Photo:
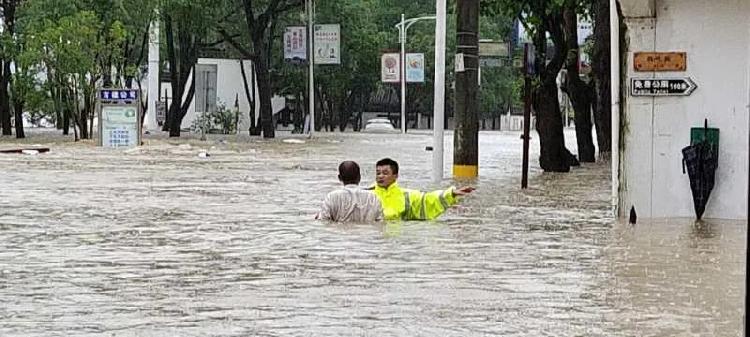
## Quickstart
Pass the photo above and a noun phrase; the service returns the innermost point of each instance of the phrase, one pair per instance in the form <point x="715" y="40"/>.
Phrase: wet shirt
<point x="351" y="204"/>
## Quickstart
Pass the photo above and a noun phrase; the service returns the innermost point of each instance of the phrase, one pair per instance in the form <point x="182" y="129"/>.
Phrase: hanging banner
<point x="295" y="44"/>
<point x="327" y="44"/>
<point x="415" y="68"/>
<point x="390" y="70"/>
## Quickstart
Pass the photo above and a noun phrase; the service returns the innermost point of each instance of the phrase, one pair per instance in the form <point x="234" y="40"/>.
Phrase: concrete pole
<point x="403" y="73"/>
<point x="153" y="75"/>
<point x="439" y="108"/>
<point x="614" y="42"/>
<point x="311" y="62"/>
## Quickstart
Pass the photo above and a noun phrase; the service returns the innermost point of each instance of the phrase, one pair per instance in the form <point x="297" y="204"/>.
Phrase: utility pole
<point x="466" y="134"/>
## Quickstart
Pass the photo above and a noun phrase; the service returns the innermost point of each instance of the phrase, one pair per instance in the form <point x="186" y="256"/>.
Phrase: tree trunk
<point x="83" y="126"/>
<point x="66" y="120"/>
<point x="578" y="90"/>
<point x="81" y="114"/>
<point x="554" y="157"/>
<point x="581" y="99"/>
<point x="180" y="107"/>
<point x="58" y="119"/>
<point x="182" y="56"/>
<point x="5" y="98"/>
<point x="18" y="108"/>
<point x="250" y="97"/>
<point x="601" y="70"/>
<point x="320" y="118"/>
<point x="9" y="21"/>
<point x="264" y="91"/>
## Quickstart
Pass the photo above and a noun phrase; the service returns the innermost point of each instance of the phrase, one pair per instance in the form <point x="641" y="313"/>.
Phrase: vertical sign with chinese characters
<point x="327" y="44"/>
<point x="119" y="118"/>
<point x="295" y="44"/>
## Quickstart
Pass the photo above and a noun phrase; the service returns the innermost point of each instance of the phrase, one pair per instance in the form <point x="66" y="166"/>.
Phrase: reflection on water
<point x="158" y="242"/>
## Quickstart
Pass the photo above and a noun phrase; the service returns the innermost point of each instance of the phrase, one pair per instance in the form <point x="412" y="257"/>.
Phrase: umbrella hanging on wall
<point x="701" y="159"/>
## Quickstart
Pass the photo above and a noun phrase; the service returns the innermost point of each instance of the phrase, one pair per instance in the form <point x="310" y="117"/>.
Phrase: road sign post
<point x="119" y="113"/>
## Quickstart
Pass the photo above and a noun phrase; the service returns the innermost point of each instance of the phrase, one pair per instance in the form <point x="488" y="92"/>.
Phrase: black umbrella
<point x="701" y="160"/>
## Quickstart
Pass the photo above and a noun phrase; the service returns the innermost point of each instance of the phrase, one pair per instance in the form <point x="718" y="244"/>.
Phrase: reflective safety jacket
<point x="405" y="204"/>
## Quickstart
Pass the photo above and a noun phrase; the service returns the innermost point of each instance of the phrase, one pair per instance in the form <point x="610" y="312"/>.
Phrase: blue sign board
<point x="118" y="94"/>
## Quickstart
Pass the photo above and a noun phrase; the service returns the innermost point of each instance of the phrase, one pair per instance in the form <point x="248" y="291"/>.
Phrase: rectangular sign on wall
<point x="660" y="61"/>
<point x="662" y="86"/>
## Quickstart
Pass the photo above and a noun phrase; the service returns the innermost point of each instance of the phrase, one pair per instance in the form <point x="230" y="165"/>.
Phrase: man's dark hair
<point x="390" y="162"/>
<point x="349" y="172"/>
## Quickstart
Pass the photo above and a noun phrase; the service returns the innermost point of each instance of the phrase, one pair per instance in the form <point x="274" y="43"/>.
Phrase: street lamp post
<point x="403" y="27"/>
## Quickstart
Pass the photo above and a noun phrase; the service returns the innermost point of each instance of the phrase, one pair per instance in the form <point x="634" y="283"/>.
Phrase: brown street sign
<point x="660" y="61"/>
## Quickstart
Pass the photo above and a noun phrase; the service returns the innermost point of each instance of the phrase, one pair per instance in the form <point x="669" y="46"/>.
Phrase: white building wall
<point x="715" y="36"/>
<point x="229" y="84"/>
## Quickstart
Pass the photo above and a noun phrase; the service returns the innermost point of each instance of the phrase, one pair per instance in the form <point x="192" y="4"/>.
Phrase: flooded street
<point x="157" y="241"/>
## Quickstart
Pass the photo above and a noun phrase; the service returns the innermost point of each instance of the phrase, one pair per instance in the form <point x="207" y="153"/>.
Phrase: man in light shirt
<point x="351" y="203"/>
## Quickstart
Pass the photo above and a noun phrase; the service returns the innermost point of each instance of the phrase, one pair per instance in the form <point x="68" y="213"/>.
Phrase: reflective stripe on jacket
<point x="406" y="204"/>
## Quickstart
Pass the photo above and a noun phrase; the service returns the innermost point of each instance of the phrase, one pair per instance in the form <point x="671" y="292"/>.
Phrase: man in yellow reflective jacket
<point x="406" y="204"/>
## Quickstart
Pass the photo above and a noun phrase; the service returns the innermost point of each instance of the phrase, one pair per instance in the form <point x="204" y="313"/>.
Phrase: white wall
<point x="715" y="36"/>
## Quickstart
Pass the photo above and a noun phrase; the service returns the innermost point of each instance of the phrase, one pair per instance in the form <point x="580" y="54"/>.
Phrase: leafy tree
<point x="260" y="24"/>
<point x="543" y="18"/>
<point x="187" y="33"/>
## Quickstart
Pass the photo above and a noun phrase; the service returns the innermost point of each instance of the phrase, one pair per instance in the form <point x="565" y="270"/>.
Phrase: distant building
<point x="219" y="81"/>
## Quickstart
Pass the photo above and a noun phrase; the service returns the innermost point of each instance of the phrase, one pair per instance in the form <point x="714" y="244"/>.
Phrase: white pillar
<point x="439" y="108"/>
<point x="153" y="75"/>
<point x="614" y="42"/>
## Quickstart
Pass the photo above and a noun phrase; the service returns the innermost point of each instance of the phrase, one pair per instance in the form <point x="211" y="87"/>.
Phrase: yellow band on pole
<point x="465" y="171"/>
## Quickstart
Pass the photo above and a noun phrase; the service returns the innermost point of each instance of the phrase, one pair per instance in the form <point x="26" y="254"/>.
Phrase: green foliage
<point x="77" y="44"/>
<point x="223" y="120"/>
<point x="74" y="44"/>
